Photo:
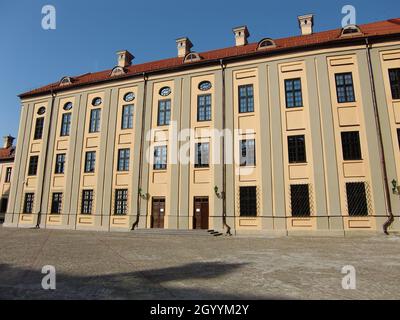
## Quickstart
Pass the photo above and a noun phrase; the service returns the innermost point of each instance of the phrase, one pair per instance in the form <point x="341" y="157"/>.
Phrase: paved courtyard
<point x="167" y="266"/>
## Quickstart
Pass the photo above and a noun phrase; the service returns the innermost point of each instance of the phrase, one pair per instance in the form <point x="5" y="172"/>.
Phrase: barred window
<point x="344" y="87"/>
<point x="28" y="202"/>
<point x="297" y="149"/>
<point x="127" y="117"/>
<point x="60" y="163"/>
<point x="164" y="112"/>
<point x="8" y="175"/>
<point x="394" y="76"/>
<point x="90" y="162"/>
<point x="33" y="165"/>
<point x="351" y="145"/>
<point x="65" y="125"/>
<point x="248" y="153"/>
<point x="204" y="107"/>
<point x="95" y="116"/>
<point x="39" y="129"/>
<point x="56" y="203"/>
<point x="87" y="201"/>
<point x="123" y="159"/>
<point x="248" y="201"/>
<point x="294" y="98"/>
<point x="300" y="200"/>
<point x="356" y="199"/>
<point x="202" y="155"/>
<point x="160" y="158"/>
<point x="246" y="98"/>
<point x="121" y="202"/>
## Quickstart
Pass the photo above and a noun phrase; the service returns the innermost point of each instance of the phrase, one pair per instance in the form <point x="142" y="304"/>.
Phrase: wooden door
<point x="201" y="213"/>
<point x="158" y="213"/>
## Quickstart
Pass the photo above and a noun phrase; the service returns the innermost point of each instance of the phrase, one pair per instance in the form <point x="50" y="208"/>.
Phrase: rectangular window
<point x="65" y="125"/>
<point x="394" y="76"/>
<point x="56" y="203"/>
<point x="248" y="153"/>
<point x="121" y="202"/>
<point x="204" y="107"/>
<point x="356" y="199"/>
<point x="127" y="117"/>
<point x="60" y="164"/>
<point x="28" y="203"/>
<point x="123" y="159"/>
<point x="164" y="112"/>
<point x="39" y="129"/>
<point x="95" y="116"/>
<point x="344" y="87"/>
<point x="248" y="201"/>
<point x="202" y="155"/>
<point x="300" y="200"/>
<point x="8" y="175"/>
<point x="398" y="136"/>
<point x="351" y="145"/>
<point x="294" y="98"/>
<point x="90" y="161"/>
<point x="246" y="98"/>
<point x="297" y="149"/>
<point x="33" y="165"/>
<point x="160" y="158"/>
<point x="87" y="201"/>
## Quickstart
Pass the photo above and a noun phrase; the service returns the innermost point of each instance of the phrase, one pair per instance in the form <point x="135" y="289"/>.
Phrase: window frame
<point x="121" y="202"/>
<point x="198" y="153"/>
<point x="29" y="201"/>
<point x="60" y="165"/>
<point x="246" y="98"/>
<point x="90" y="163"/>
<point x="296" y="197"/>
<point x="66" y="124"/>
<point x="39" y="127"/>
<point x="33" y="166"/>
<point x="292" y="93"/>
<point x="345" y="86"/>
<point x="8" y="175"/>
<point x="87" y="202"/>
<point x="353" y="203"/>
<point x="395" y="83"/>
<point x="248" y="209"/>
<point x="295" y="154"/>
<point x="127" y="118"/>
<point x="160" y="165"/>
<point x="351" y="150"/>
<point x="95" y="120"/>
<point x="56" y="202"/>
<point x="166" y="111"/>
<point x="245" y="153"/>
<point x="124" y="156"/>
<point x="205" y="109"/>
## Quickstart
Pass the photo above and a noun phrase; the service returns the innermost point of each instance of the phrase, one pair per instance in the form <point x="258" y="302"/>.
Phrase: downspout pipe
<point x="224" y="223"/>
<point x="390" y="219"/>
<point x="39" y="217"/>
<point x="139" y="199"/>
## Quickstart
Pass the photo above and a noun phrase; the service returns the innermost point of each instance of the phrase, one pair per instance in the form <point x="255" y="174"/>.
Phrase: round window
<point x="68" y="106"/>
<point x="96" y="101"/>
<point x="166" y="91"/>
<point x="130" y="96"/>
<point x="205" y="85"/>
<point x="41" y="111"/>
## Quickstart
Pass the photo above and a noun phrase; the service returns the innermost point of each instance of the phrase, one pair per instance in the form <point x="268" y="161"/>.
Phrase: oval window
<point x="205" y="85"/>
<point x="68" y="106"/>
<point x="41" y="111"/>
<point x="166" y="91"/>
<point x="130" y="96"/>
<point x="96" y="101"/>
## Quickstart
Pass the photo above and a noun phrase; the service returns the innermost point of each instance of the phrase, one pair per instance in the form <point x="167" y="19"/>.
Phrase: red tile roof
<point x="7" y="153"/>
<point x="381" y="28"/>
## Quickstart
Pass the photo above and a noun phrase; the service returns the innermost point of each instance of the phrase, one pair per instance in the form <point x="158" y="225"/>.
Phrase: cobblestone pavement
<point x="93" y="265"/>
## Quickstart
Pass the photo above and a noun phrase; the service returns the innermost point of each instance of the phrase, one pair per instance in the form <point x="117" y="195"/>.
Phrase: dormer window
<point x="117" y="71"/>
<point x="65" y="81"/>
<point x="266" y="44"/>
<point x="192" y="57"/>
<point x="351" y="30"/>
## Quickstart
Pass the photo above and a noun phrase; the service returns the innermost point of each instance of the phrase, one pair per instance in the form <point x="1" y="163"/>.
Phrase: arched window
<point x="266" y="43"/>
<point x="191" y="57"/>
<point x="65" y="81"/>
<point x="117" y="71"/>
<point x="350" y="30"/>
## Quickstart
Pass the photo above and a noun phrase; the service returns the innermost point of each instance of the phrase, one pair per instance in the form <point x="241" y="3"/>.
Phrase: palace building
<point x="314" y="120"/>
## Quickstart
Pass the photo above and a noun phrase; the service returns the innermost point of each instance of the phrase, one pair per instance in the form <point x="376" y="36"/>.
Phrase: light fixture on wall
<point x="144" y="196"/>
<point x="220" y="195"/>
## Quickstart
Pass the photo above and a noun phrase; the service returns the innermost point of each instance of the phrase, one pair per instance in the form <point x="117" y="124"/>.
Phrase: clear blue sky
<point x="90" y="32"/>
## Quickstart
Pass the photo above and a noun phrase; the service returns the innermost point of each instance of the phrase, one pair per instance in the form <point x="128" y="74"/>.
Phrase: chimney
<point x="241" y="35"/>
<point x="124" y="58"/>
<point x="8" y="141"/>
<point x="306" y="24"/>
<point x="184" y="45"/>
